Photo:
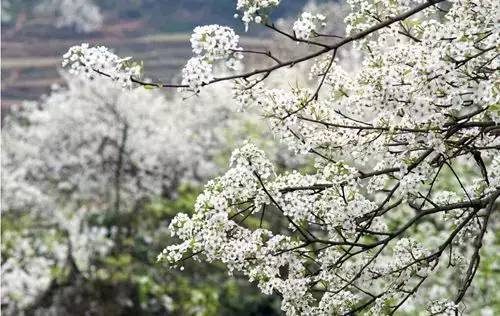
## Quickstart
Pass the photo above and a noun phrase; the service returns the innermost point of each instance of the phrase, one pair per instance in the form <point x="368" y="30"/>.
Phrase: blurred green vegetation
<point x="130" y="281"/>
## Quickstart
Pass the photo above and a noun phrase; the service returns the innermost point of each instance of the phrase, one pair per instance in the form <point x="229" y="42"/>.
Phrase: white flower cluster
<point x="307" y="24"/>
<point x="246" y="92"/>
<point x="95" y="61"/>
<point x="210" y="43"/>
<point x="387" y="140"/>
<point x="254" y="10"/>
<point x="213" y="230"/>
<point x="214" y="42"/>
<point x="442" y="307"/>
<point x="196" y="73"/>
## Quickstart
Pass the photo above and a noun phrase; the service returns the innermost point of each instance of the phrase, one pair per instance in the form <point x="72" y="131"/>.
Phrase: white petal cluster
<point x="254" y="10"/>
<point x="213" y="231"/>
<point x="307" y="24"/>
<point x="196" y="73"/>
<point x="442" y="307"/>
<point x="87" y="242"/>
<point x="382" y="209"/>
<point x="214" y="41"/>
<point x="246" y="92"/>
<point x="210" y="44"/>
<point x="94" y="61"/>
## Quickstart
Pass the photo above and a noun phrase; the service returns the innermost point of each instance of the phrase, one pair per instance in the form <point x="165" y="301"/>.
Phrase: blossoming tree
<point x="88" y="176"/>
<point x="81" y="15"/>
<point x="421" y="109"/>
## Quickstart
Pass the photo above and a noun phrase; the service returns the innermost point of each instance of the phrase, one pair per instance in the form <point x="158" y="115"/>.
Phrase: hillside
<point x="156" y="32"/>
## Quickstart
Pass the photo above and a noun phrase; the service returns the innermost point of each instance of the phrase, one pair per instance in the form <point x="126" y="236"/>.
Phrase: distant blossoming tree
<point x="83" y="15"/>
<point x="79" y="162"/>
<point x="407" y="172"/>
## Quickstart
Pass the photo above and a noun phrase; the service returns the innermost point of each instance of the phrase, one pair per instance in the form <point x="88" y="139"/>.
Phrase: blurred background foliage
<point x="162" y="16"/>
<point x="129" y="281"/>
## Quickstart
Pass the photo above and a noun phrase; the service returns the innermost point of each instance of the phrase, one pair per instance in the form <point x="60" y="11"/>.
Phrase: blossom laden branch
<point x="372" y="220"/>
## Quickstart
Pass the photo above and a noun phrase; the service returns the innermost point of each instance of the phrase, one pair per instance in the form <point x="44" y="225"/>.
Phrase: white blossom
<point x="94" y="61"/>
<point x="214" y="41"/>
<point x="307" y="25"/>
<point x="253" y="9"/>
<point x="196" y="73"/>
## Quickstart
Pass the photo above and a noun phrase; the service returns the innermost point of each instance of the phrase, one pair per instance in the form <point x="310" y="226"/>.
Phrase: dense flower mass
<point x="196" y="73"/>
<point x="214" y="41"/>
<point x="210" y="43"/>
<point x="94" y="61"/>
<point x="307" y="25"/>
<point x="254" y="10"/>
<point x="405" y="182"/>
<point x="384" y="138"/>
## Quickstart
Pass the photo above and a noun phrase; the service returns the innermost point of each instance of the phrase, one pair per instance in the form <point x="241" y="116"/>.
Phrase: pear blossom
<point x="307" y="25"/>
<point x="92" y="61"/>
<point x="404" y="179"/>
<point x="384" y="128"/>
<point x="253" y="9"/>
<point x="214" y="41"/>
<point x="196" y="73"/>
